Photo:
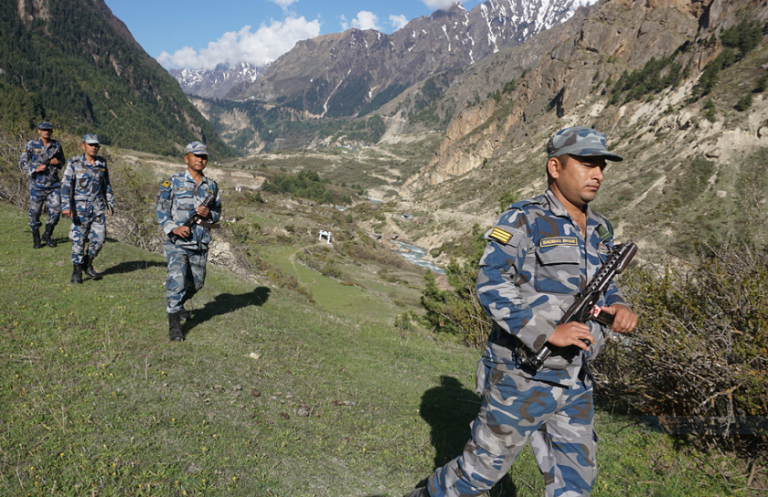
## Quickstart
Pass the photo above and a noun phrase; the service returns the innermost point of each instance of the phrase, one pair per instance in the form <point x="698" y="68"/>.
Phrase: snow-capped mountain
<point x="216" y="83"/>
<point x="346" y="73"/>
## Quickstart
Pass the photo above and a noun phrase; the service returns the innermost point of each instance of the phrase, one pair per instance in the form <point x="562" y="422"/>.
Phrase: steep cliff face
<point x="344" y="74"/>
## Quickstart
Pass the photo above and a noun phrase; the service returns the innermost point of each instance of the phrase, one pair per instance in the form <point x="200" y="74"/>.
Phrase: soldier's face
<point x="90" y="150"/>
<point x="196" y="162"/>
<point x="45" y="134"/>
<point x="577" y="178"/>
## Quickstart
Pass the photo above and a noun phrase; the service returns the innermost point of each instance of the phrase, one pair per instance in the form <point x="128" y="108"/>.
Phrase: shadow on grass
<point x="449" y="409"/>
<point x="225" y="303"/>
<point x="129" y="267"/>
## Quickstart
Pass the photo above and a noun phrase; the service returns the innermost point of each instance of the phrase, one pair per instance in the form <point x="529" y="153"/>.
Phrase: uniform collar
<point x="558" y="209"/>
<point x="40" y="141"/>
<point x="96" y="160"/>
<point x="188" y="177"/>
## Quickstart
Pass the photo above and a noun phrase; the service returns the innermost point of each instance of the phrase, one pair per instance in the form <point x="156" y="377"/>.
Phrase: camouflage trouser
<point x="558" y="422"/>
<point x="51" y="196"/>
<point x="186" y="275"/>
<point x="91" y="229"/>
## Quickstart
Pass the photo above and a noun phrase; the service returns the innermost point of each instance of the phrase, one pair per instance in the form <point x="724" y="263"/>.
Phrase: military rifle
<point x="45" y="159"/>
<point x="585" y="306"/>
<point x="195" y="218"/>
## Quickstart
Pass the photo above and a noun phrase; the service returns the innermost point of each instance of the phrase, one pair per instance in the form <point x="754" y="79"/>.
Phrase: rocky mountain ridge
<point x="689" y="171"/>
<point x="355" y="72"/>
<point x="216" y="83"/>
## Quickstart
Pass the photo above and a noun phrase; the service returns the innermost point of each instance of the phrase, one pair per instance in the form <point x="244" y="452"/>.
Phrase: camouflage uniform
<point x="179" y="197"/>
<point x="536" y="260"/>
<point x="87" y="192"/>
<point x="43" y="186"/>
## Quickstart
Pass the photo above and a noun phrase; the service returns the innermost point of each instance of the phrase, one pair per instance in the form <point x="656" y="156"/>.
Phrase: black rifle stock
<point x="582" y="308"/>
<point x="195" y="217"/>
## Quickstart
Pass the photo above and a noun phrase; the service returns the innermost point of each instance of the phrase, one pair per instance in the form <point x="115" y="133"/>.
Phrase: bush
<point x="701" y="345"/>
<point x="709" y="110"/>
<point x="510" y="86"/>
<point x="331" y="270"/>
<point x="458" y="311"/>
<point x="14" y="183"/>
<point x="762" y="84"/>
<point x="744" y="104"/>
<point x="507" y="199"/>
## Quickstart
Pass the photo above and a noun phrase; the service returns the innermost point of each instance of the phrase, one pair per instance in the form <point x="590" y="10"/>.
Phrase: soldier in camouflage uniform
<point x="41" y="160"/>
<point x="179" y="198"/>
<point x="541" y="252"/>
<point x="86" y="194"/>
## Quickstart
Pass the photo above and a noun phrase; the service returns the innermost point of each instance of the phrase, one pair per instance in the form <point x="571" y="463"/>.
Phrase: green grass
<point x="96" y="400"/>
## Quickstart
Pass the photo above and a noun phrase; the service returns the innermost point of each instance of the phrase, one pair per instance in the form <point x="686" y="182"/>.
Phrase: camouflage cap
<point x="581" y="141"/>
<point x="45" y="125"/>
<point x="91" y="139"/>
<point x="197" y="148"/>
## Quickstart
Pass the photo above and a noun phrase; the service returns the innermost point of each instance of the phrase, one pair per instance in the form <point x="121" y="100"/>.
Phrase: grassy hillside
<point x="269" y="395"/>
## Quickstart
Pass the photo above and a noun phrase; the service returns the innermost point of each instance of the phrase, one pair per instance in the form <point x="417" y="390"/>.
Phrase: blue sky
<point x="200" y="33"/>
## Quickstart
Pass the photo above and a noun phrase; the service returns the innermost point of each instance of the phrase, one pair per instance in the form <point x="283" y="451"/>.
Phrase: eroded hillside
<point x="644" y="72"/>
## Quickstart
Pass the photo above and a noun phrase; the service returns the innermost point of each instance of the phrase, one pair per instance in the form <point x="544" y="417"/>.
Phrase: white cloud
<point x="265" y="45"/>
<point x="398" y="22"/>
<point x="344" y="23"/>
<point x="284" y="3"/>
<point x="366" y="20"/>
<point x="441" y="4"/>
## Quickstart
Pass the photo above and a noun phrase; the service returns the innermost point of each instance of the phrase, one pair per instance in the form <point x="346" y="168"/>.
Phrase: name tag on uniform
<point x="553" y="241"/>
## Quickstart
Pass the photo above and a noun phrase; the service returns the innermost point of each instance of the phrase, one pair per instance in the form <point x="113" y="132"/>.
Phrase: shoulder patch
<point x="500" y="235"/>
<point x="166" y="184"/>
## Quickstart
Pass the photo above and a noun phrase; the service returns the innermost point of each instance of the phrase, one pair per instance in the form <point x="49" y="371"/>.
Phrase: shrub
<point x="762" y="84"/>
<point x="700" y="347"/>
<point x="458" y="311"/>
<point x="331" y="270"/>
<point x="507" y="199"/>
<point x="709" y="110"/>
<point x="14" y="183"/>
<point x="744" y="104"/>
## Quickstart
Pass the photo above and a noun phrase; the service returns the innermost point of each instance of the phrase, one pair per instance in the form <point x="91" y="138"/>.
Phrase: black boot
<point x="35" y="238"/>
<point x="88" y="265"/>
<point x="174" y="327"/>
<point x="77" y="273"/>
<point x="47" y="235"/>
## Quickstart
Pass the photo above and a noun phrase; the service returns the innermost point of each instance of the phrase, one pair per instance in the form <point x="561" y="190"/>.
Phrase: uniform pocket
<point x="83" y="182"/>
<point x="558" y="269"/>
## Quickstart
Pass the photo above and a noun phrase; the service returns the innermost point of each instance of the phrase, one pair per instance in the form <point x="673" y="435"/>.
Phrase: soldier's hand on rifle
<point x="67" y="213"/>
<point x="203" y="212"/>
<point x="54" y="161"/>
<point x="182" y="231"/>
<point x="40" y="168"/>
<point x="571" y="333"/>
<point x="624" y="320"/>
